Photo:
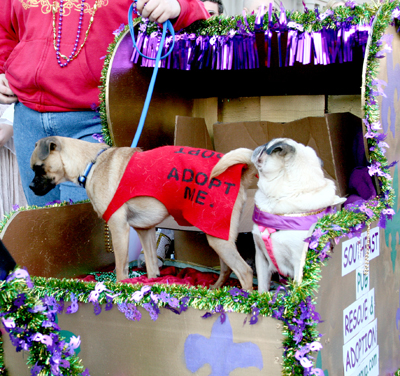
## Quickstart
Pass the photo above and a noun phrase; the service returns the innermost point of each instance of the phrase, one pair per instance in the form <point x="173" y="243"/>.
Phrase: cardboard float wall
<point x="59" y="242"/>
<point x="112" y="345"/>
<point x="337" y="292"/>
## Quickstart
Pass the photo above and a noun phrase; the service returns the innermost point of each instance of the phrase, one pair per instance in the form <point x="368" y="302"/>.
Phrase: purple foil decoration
<point x="98" y="137"/>
<point x="276" y="294"/>
<point x="301" y="356"/>
<point x="153" y="310"/>
<point x="35" y="370"/>
<point x="137" y="296"/>
<point x="396" y="13"/>
<point x="43" y="338"/>
<point x="237" y="294"/>
<point x="238" y="50"/>
<point x="20" y="300"/>
<point x="109" y="303"/>
<point x="254" y="316"/>
<point x="96" y="308"/>
<point x="130" y="310"/>
<point x="314" y="239"/>
<point x="21" y="273"/>
<point x="8" y="323"/>
<point x="74" y="305"/>
<point x="94" y="295"/>
<point x="74" y="343"/>
<point x="119" y="30"/>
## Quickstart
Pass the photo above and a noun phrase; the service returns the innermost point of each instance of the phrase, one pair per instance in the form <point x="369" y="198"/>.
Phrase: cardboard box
<point x="331" y="136"/>
<point x="114" y="346"/>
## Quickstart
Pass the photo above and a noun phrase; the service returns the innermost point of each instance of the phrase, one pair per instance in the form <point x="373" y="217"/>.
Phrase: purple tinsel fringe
<point x="240" y="50"/>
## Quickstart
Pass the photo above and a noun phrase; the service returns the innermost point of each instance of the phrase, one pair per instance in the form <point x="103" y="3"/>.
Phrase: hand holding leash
<point x="159" y="10"/>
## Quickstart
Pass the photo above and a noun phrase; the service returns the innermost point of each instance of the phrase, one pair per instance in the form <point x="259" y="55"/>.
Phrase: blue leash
<point x="166" y="25"/>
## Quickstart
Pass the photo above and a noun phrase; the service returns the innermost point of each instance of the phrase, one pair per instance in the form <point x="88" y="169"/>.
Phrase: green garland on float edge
<point x="204" y="299"/>
<point x="32" y="321"/>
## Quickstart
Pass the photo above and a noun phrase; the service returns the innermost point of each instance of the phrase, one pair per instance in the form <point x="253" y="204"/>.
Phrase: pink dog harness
<point x="270" y="223"/>
<point x="179" y="177"/>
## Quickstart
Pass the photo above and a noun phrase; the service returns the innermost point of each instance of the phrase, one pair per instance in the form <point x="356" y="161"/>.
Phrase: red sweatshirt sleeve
<point x="8" y="32"/>
<point x="191" y="10"/>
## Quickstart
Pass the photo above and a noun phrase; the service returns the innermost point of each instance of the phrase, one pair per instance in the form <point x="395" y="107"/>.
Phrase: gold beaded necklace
<point x="57" y="34"/>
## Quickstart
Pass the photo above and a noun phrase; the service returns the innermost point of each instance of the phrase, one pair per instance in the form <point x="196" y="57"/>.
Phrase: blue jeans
<point x="30" y="126"/>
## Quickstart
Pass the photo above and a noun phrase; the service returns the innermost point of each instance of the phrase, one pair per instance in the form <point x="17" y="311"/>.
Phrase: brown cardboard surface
<point x="58" y="242"/>
<point x="345" y="103"/>
<point x="193" y="246"/>
<point x="270" y="108"/>
<point x="336" y="293"/>
<point x="112" y="345"/>
<point x="190" y="131"/>
<point x="331" y="136"/>
<point x="291" y="107"/>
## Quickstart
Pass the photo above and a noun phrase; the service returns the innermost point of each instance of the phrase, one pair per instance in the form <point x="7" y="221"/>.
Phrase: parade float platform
<point x="354" y="316"/>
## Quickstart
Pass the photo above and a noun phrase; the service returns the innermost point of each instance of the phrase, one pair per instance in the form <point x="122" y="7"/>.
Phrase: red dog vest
<point x="179" y="177"/>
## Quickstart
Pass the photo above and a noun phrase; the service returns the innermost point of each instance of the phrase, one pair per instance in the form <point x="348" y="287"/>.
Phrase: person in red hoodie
<point x="50" y="66"/>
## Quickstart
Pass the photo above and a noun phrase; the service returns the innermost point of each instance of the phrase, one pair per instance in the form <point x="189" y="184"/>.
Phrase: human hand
<point x="6" y="132"/>
<point x="159" y="10"/>
<point x="6" y="94"/>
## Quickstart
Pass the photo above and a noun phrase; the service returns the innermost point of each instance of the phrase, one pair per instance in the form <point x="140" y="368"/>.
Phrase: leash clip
<point x="82" y="178"/>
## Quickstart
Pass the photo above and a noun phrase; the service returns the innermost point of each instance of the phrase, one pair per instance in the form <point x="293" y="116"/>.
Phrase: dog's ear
<point x="46" y="145"/>
<point x="281" y="148"/>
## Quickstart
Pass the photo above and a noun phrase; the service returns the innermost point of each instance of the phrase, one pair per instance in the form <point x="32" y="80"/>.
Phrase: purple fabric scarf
<point x="302" y="221"/>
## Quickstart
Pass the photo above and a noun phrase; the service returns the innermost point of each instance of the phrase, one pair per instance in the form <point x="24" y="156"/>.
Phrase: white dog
<point x="292" y="195"/>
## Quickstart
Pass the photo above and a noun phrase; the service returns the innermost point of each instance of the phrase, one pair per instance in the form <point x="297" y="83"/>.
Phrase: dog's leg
<point x="263" y="268"/>
<point x="223" y="276"/>
<point x="230" y="258"/>
<point x="227" y="251"/>
<point x="148" y="241"/>
<point x="298" y="268"/>
<point x="120" y="240"/>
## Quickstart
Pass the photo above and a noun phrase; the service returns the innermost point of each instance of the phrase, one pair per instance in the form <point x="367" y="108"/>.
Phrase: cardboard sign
<point x="357" y="315"/>
<point x="370" y="366"/>
<point x="357" y="349"/>
<point x="353" y="250"/>
<point x="362" y="282"/>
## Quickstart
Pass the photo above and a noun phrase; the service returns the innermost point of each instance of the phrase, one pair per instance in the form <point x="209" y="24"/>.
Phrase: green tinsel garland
<point x="209" y="300"/>
<point x="32" y="322"/>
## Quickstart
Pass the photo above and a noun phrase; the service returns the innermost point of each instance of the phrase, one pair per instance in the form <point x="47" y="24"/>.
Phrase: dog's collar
<point x="82" y="178"/>
<point x="299" y="221"/>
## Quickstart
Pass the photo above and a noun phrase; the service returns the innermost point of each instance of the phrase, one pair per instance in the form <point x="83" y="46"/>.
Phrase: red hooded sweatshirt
<point x="28" y="57"/>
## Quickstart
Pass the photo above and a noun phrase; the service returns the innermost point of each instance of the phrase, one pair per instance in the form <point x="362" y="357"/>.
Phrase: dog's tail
<point x="237" y="156"/>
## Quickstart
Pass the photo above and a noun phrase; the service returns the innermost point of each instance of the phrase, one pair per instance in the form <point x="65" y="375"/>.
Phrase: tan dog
<point x="59" y="159"/>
